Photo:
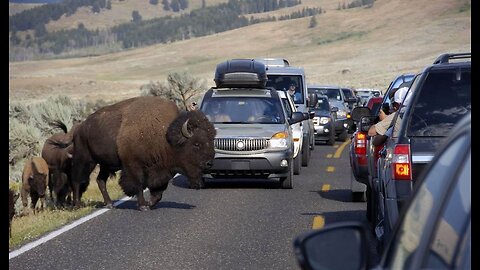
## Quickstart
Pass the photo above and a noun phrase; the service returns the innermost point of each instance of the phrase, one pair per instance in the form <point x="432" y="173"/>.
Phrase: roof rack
<point x="444" y="58"/>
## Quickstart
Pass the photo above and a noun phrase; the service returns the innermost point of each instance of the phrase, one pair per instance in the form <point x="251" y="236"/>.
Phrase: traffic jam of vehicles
<point x="408" y="149"/>
<point x="401" y="148"/>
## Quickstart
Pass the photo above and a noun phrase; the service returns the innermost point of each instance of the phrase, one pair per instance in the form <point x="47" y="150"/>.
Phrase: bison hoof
<point x="109" y="206"/>
<point x="144" y="208"/>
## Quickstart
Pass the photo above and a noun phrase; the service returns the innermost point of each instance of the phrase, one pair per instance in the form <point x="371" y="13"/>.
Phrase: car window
<point x="428" y="196"/>
<point x="282" y="82"/>
<point x="322" y="105"/>
<point x="453" y="223"/>
<point x="331" y="93"/>
<point x="244" y="110"/>
<point x="347" y="93"/>
<point x="287" y="107"/>
<point x="444" y="99"/>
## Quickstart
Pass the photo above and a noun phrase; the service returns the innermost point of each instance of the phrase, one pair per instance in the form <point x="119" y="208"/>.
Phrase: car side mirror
<point x="341" y="245"/>
<point x="296" y="117"/>
<point x="359" y="112"/>
<point x="312" y="100"/>
<point x="365" y="123"/>
<point x="334" y="109"/>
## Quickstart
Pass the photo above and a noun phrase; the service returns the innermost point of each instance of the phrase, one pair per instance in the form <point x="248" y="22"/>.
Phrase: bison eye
<point x="196" y="145"/>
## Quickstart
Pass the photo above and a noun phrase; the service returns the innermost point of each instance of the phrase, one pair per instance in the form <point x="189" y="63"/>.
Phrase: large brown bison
<point x="149" y="140"/>
<point x="12" y="198"/>
<point x="57" y="152"/>
<point x="34" y="182"/>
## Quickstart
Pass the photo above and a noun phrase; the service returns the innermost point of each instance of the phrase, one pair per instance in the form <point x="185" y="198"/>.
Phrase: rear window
<point x="445" y="98"/>
<point x="331" y="93"/>
<point x="283" y="82"/>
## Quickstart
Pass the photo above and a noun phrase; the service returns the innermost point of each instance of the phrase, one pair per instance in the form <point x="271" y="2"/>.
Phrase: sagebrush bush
<point x="29" y="126"/>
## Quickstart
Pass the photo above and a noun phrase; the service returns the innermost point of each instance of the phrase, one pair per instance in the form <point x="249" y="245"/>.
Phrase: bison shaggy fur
<point x="149" y="140"/>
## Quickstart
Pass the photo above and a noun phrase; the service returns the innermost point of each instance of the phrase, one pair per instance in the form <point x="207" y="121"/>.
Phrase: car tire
<point x="359" y="196"/>
<point x="343" y="136"/>
<point x="287" y="182"/>
<point x="331" y="140"/>
<point x="305" y="154"/>
<point x="297" y="164"/>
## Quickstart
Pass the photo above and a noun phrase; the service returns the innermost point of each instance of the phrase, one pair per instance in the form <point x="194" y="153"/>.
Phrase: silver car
<point x="254" y="134"/>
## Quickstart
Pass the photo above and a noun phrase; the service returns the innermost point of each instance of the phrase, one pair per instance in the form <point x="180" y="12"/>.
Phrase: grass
<point x="30" y="227"/>
<point x="341" y="36"/>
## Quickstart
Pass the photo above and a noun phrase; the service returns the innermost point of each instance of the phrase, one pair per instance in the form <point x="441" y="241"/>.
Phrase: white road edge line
<point x="65" y="228"/>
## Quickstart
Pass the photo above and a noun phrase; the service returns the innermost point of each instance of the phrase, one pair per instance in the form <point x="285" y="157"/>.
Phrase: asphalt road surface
<point x="230" y="225"/>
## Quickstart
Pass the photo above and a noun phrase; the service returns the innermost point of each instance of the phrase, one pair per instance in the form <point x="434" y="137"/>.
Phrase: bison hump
<point x="143" y="128"/>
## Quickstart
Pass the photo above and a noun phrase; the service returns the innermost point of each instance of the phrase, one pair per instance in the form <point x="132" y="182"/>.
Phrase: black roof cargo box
<point x="241" y="73"/>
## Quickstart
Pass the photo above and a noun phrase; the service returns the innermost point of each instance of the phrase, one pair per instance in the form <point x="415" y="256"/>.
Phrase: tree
<point x="313" y="22"/>
<point x="154" y="2"/>
<point x="136" y="17"/>
<point x="183" y="4"/>
<point x="109" y="5"/>
<point x="204" y="5"/>
<point x="175" y="5"/>
<point x="180" y="87"/>
<point x="96" y="7"/>
<point x="166" y="5"/>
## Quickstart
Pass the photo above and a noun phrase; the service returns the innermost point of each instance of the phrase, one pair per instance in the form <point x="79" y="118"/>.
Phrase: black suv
<point x="438" y="98"/>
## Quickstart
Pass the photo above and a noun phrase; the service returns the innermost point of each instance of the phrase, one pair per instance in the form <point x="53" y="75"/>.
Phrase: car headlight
<point x="324" y="120"/>
<point x="342" y="114"/>
<point x="279" y="140"/>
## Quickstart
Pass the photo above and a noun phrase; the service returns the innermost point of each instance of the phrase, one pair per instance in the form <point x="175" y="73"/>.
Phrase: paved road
<point x="229" y="225"/>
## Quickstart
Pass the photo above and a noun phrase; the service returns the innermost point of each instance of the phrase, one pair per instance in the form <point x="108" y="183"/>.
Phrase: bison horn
<point x="185" y="131"/>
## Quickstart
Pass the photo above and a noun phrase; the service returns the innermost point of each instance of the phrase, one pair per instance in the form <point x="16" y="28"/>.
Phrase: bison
<point x="34" y="182"/>
<point x="12" y="199"/>
<point x="149" y="140"/>
<point x="57" y="152"/>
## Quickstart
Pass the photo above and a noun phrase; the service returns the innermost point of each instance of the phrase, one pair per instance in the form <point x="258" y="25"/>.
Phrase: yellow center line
<point x="329" y="156"/>
<point x="325" y="187"/>
<point x="340" y="149"/>
<point x="318" y="222"/>
<point x="330" y="169"/>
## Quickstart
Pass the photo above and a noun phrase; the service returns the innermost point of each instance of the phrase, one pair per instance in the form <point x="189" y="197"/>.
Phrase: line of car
<point x="416" y="178"/>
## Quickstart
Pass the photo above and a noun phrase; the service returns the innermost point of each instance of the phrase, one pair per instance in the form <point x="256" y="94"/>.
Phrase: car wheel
<point x="343" y="136"/>
<point x="331" y="140"/>
<point x="287" y="182"/>
<point x="305" y="154"/>
<point x="359" y="197"/>
<point x="297" y="164"/>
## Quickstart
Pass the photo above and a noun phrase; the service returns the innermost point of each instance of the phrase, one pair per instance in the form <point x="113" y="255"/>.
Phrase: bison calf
<point x="34" y="182"/>
<point x="12" y="199"/>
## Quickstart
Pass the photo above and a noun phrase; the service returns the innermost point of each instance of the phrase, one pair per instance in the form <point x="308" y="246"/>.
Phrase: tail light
<point x="360" y="143"/>
<point x="401" y="165"/>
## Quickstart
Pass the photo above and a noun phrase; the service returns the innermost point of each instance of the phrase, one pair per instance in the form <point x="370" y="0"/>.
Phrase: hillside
<point x="370" y="46"/>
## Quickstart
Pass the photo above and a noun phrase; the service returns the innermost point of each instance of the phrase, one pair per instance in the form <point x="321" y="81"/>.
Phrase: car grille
<point x="232" y="144"/>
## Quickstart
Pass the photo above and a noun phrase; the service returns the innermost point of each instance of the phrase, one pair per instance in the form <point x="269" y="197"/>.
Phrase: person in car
<point x="292" y="92"/>
<point x="217" y="113"/>
<point x="381" y="127"/>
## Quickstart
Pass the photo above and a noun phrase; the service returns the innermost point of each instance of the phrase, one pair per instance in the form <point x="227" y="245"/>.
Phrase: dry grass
<point x="375" y="44"/>
<point x="27" y="228"/>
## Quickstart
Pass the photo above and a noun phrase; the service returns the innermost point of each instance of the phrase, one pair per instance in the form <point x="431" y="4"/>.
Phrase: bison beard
<point x="148" y="140"/>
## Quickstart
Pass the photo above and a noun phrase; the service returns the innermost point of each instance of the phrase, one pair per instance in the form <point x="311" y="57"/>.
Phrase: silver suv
<point x="254" y="135"/>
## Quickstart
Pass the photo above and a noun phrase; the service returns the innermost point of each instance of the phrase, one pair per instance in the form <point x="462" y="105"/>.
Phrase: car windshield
<point x="322" y="105"/>
<point x="348" y="93"/>
<point x="283" y="82"/>
<point x="331" y="93"/>
<point x="243" y="110"/>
